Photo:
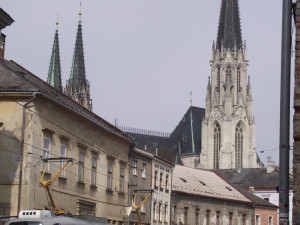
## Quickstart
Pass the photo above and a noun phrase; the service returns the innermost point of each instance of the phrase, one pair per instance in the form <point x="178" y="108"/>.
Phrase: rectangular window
<point x="134" y="163"/>
<point x="197" y="212"/>
<point x="144" y="170"/>
<point x="208" y="217"/>
<point x="218" y="217"/>
<point x="81" y="167"/>
<point x="166" y="213"/>
<point x="46" y="151"/>
<point x="167" y="182"/>
<point x="122" y="179"/>
<point x="270" y="220"/>
<point x="257" y="219"/>
<point x="175" y="214"/>
<point x="244" y="219"/>
<point x="85" y="208"/>
<point x="142" y="209"/>
<point x="186" y="215"/>
<point x="160" y="212"/>
<point x="63" y="154"/>
<point x="154" y="211"/>
<point x="155" y="179"/>
<point x="230" y="218"/>
<point x="94" y="170"/>
<point x="109" y="176"/>
<point x="161" y="180"/>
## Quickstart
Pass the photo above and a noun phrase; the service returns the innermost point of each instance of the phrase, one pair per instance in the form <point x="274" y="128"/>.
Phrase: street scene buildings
<point x="206" y="171"/>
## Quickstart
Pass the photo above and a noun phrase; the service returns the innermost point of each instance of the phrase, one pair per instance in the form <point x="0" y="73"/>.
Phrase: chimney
<point x="2" y="45"/>
<point x="5" y="20"/>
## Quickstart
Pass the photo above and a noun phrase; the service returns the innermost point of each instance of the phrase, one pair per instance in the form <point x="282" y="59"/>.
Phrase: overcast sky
<point x="143" y="57"/>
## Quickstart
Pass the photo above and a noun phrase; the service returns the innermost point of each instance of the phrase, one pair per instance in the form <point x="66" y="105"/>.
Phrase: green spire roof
<point x="54" y="73"/>
<point x="229" y="32"/>
<point x="78" y="68"/>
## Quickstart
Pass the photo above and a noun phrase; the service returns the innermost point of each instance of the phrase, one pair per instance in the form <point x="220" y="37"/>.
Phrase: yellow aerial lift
<point x="46" y="184"/>
<point x="137" y="207"/>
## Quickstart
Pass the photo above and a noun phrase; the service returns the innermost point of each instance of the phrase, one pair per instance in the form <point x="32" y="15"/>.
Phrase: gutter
<point x="22" y="150"/>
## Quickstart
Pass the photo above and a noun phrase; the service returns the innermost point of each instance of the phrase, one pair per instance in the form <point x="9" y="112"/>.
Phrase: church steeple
<point x="54" y="73"/>
<point x="78" y="87"/>
<point x="228" y="130"/>
<point x="229" y="32"/>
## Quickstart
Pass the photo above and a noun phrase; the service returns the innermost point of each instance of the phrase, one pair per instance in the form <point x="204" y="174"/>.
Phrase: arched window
<point x="239" y="80"/>
<point x="228" y="74"/>
<point x="217" y="144"/>
<point x="239" y="142"/>
<point x="218" y="79"/>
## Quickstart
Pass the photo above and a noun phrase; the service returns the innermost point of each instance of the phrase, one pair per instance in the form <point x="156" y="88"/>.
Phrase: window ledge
<point x="143" y="213"/>
<point x="121" y="192"/>
<point x="109" y="190"/>
<point x="80" y="183"/>
<point x="93" y="186"/>
<point x="161" y="189"/>
<point x="62" y="178"/>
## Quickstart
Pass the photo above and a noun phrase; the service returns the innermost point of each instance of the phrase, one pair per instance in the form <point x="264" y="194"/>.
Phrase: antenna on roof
<point x="191" y="98"/>
<point x="116" y="122"/>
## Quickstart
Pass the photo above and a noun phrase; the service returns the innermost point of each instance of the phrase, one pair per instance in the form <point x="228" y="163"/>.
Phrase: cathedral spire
<point x="78" y="67"/>
<point x="78" y="87"/>
<point x="54" y="73"/>
<point x="229" y="32"/>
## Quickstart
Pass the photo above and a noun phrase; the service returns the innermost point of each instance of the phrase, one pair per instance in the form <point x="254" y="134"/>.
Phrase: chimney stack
<point x="5" y="20"/>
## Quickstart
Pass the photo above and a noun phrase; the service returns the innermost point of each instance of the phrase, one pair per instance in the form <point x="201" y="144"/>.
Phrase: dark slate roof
<point x="189" y="131"/>
<point x="78" y="68"/>
<point x="257" y="200"/>
<point x="165" y="145"/>
<point x="229" y="31"/>
<point x="5" y="19"/>
<point x="252" y="177"/>
<point x="54" y="73"/>
<point x="15" y="79"/>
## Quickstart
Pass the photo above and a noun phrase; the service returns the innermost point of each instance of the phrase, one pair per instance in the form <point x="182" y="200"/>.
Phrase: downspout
<point x="22" y="151"/>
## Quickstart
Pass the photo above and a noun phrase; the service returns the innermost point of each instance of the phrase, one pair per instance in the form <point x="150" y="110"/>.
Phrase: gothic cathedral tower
<point x="78" y="87"/>
<point x="228" y="129"/>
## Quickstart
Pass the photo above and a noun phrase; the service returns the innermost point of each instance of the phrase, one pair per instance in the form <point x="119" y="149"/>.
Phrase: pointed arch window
<point x="217" y="144"/>
<point x="228" y="74"/>
<point x="239" y="142"/>
<point x="218" y="79"/>
<point x="239" y="89"/>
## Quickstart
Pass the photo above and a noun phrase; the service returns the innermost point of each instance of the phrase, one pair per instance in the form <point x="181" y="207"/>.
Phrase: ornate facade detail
<point x="229" y="101"/>
<point x="78" y="87"/>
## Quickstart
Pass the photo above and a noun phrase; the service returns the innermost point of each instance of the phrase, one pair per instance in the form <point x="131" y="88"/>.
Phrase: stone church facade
<point x="228" y="129"/>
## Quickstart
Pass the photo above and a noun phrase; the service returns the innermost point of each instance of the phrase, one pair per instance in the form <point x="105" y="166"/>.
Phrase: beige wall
<point x="78" y="134"/>
<point x="193" y="210"/>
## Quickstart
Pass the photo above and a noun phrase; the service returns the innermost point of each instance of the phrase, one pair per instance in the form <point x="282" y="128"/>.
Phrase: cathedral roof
<point x="54" y="73"/>
<point x="77" y="75"/>
<point x="189" y="131"/>
<point x="229" y="31"/>
<point x="149" y="143"/>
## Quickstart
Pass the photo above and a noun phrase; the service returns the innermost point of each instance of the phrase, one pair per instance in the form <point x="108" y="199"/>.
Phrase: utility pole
<point x="285" y="112"/>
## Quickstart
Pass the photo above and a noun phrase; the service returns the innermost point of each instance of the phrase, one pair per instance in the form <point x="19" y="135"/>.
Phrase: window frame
<point x="46" y="152"/>
<point x="81" y="167"/>
<point x="109" y="175"/>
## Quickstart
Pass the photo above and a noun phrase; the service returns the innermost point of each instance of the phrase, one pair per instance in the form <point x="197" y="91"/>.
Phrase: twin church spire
<point x="77" y="87"/>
